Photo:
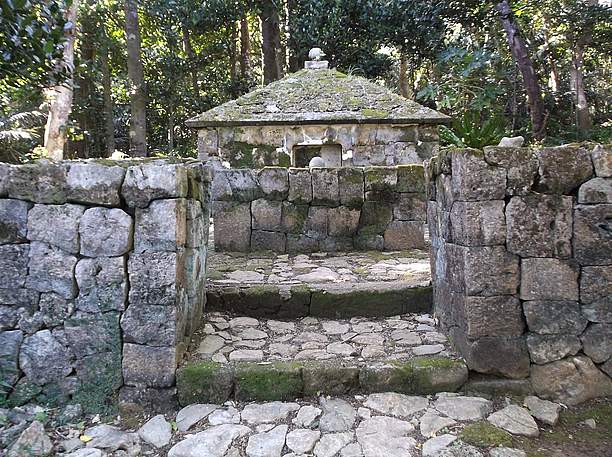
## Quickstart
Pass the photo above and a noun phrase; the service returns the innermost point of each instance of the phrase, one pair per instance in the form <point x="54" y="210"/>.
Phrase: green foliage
<point x="484" y="434"/>
<point x="473" y="132"/>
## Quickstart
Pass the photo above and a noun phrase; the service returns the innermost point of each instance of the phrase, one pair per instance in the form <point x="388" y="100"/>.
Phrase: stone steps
<point x="242" y="358"/>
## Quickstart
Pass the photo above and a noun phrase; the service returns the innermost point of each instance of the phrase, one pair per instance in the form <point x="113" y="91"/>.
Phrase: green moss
<point x="436" y="362"/>
<point x="204" y="382"/>
<point x="242" y="155"/>
<point x="97" y="393"/>
<point x="376" y="113"/>
<point x="259" y="290"/>
<point x="484" y="434"/>
<point x="276" y="381"/>
<point x="214" y="275"/>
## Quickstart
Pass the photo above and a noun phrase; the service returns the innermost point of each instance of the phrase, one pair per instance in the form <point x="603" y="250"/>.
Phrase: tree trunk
<point x="138" y="96"/>
<point x="170" y="130"/>
<point x="60" y="97"/>
<point x="270" y="32"/>
<point x="405" y="78"/>
<point x="245" y="49"/>
<point x="109" y="120"/>
<point x="233" y="55"/>
<point x="522" y="59"/>
<point x="191" y="56"/>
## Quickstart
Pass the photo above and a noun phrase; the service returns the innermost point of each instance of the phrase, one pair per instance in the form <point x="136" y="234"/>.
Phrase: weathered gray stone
<point x="562" y="169"/>
<point x="570" y="381"/>
<point x="192" y="414"/>
<point x="592" y="235"/>
<point x="13" y="221"/>
<point x="156" y="431"/>
<point x="315" y="226"/>
<point x="102" y="284"/>
<point x="394" y="404"/>
<point x="602" y="159"/>
<point x="94" y="183"/>
<point x="474" y="180"/>
<point x="411" y="178"/>
<point x="105" y="232"/>
<point x="540" y="226"/>
<point x="220" y="189"/>
<point x="10" y="343"/>
<point x="331" y="443"/>
<point x="89" y="334"/>
<point x="33" y="442"/>
<point x="507" y="452"/>
<point x="5" y="170"/>
<point x="9" y="316"/>
<point x="386" y="436"/>
<point x="325" y="187"/>
<point x="302" y="441"/>
<point x="230" y="415"/>
<point x="431" y="423"/>
<point x="381" y="183"/>
<point x="264" y="413"/>
<point x="543" y="410"/>
<point x="152" y="325"/>
<point x="433" y="446"/>
<point x="478" y="223"/>
<point x="548" y="317"/>
<point x="162" y="226"/>
<point x="463" y="408"/>
<point x="596" y="293"/>
<point x="40" y="182"/>
<point x="274" y="183"/>
<point x="65" y="222"/>
<point x="306" y="416"/>
<point x="51" y="270"/>
<point x="232" y="226"/>
<point x="54" y="309"/>
<point x="597" y="342"/>
<point x="267" y="444"/>
<point x="403" y="235"/>
<point x="262" y="240"/>
<point x="110" y="438"/>
<point x="460" y="449"/>
<point x="293" y="217"/>
<point x="493" y="316"/>
<point x="548" y="279"/>
<point x="152" y="181"/>
<point x="548" y="348"/>
<point x="351" y="183"/>
<point x="43" y="359"/>
<point x="245" y="185"/>
<point x="369" y="242"/>
<point x="515" y="420"/>
<point x="490" y="271"/>
<point x="300" y="186"/>
<point x="266" y="215"/>
<point x="150" y="366"/>
<point x="521" y="167"/>
<point x="155" y="278"/>
<point x="213" y="442"/>
<point x="343" y="221"/>
<point x="410" y="207"/>
<point x="375" y="217"/>
<point x="597" y="190"/>
<point x="338" y="415"/>
<point x="13" y="265"/>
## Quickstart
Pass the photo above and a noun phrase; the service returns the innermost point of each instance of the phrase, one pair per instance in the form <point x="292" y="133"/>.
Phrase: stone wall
<point x="369" y="144"/>
<point x="323" y="209"/>
<point x="522" y="263"/>
<point x="101" y="278"/>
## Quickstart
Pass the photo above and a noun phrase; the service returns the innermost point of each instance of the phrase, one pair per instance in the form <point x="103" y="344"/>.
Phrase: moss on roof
<point x="315" y="97"/>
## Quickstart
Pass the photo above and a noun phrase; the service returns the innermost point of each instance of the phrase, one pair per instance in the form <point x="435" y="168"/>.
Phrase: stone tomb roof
<point x="318" y="96"/>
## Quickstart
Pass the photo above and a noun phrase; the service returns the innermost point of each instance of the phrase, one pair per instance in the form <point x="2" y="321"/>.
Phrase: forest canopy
<point x="86" y="78"/>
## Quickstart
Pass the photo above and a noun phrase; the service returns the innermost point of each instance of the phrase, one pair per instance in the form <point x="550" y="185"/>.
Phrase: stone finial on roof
<point x="315" y="63"/>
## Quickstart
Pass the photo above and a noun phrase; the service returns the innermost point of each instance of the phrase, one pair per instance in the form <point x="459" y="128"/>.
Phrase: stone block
<point x="40" y="182"/>
<point x="9" y="316"/>
<point x="293" y="217"/>
<point x="266" y="215"/>
<point x="13" y="221"/>
<point x="300" y="185"/>
<point x="411" y="178"/>
<point x="548" y="279"/>
<point x="51" y="270"/>
<point x="315" y="226"/>
<point x="369" y="242"/>
<point x="43" y="359"/>
<point x="375" y="217"/>
<point x="548" y="348"/>
<point x="563" y="168"/>
<point x="351" y="184"/>
<point x="151" y="325"/>
<point x="403" y="235"/>
<point x="301" y="243"/>
<point x="89" y="334"/>
<point x="602" y="160"/>
<point x="549" y="317"/>
<point x="274" y="182"/>
<point x="278" y="381"/>
<point x="162" y="226"/>
<point x="343" y="221"/>
<point x="106" y="232"/>
<point x="156" y="278"/>
<point x="57" y="225"/>
<point x="596" y="190"/>
<point x="592" y="234"/>
<point x="478" y="223"/>
<point x="473" y="179"/>
<point x="148" y="366"/>
<point x="596" y="293"/>
<point x="325" y="187"/>
<point x="325" y="379"/>
<point x="5" y="170"/>
<point x="336" y="244"/>
<point x="597" y="342"/>
<point x="208" y="143"/>
<point x="204" y="382"/>
<point x="410" y="207"/>
<point x="493" y="316"/>
<point x="198" y="223"/>
<point x="54" y="309"/>
<point x="10" y="343"/>
<point x="521" y="166"/>
<point x="221" y="190"/>
<point x="427" y="149"/>
<point x="102" y="284"/>
<point x="381" y="183"/>
<point x="16" y="296"/>
<point x="232" y="226"/>
<point x="490" y="271"/>
<point x="444" y="191"/>
<point x="244" y="184"/>
<point x="94" y="183"/>
<point x="13" y="265"/>
<point x="268" y="241"/>
<point x="402" y="152"/>
<point x="152" y="181"/>
<point x="540" y="226"/>
<point x="438" y="222"/>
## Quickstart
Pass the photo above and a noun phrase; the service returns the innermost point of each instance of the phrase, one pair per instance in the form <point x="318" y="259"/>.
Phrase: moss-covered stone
<point x="411" y="178"/>
<point x="375" y="217"/>
<point x="276" y="381"/>
<point x="204" y="382"/>
<point x="293" y="217"/>
<point x="329" y="378"/>
<point x="484" y="434"/>
<point x="22" y="393"/>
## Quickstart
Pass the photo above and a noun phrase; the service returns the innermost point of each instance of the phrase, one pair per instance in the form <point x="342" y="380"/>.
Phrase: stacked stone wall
<point x="322" y="209"/>
<point x="522" y="263"/>
<point x="101" y="278"/>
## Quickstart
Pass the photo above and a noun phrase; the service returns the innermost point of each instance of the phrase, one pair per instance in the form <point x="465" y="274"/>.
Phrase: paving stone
<point x="32" y="441"/>
<point x="211" y="344"/>
<point x="431" y="423"/>
<point x="515" y="420"/>
<point x="331" y="443"/>
<point x="243" y="322"/>
<point x="267" y="444"/>
<point x="386" y="436"/>
<point x="229" y="415"/>
<point x="318" y="275"/>
<point x="110" y="438"/>
<point x="268" y="412"/>
<point x="338" y="415"/>
<point x="335" y="328"/>
<point x="351" y="450"/>
<point x="302" y="440"/>
<point x="246" y="355"/>
<point x="398" y="405"/>
<point x="307" y="416"/>
<point x="192" y="414"/>
<point x="433" y="446"/>
<point x="428" y="349"/>
<point x="213" y="442"/>
<point x="507" y="452"/>
<point x="463" y="408"/>
<point x="156" y="431"/>
<point x="342" y="349"/>
<point x="543" y="410"/>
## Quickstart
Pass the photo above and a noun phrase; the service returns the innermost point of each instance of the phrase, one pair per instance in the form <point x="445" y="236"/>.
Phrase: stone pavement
<point x="377" y="425"/>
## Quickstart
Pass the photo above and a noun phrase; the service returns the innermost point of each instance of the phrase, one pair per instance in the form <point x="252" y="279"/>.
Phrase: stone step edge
<point x="211" y="382"/>
<point x="368" y="299"/>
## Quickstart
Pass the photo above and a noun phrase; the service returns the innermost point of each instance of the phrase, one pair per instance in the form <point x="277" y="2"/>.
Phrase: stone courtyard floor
<point x="376" y="425"/>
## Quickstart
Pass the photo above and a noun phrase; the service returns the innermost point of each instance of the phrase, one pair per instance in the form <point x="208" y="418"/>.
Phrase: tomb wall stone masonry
<point x="521" y="262"/>
<point x="101" y="278"/>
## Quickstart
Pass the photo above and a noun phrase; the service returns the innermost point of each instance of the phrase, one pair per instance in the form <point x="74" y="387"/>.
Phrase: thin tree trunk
<point x="170" y="130"/>
<point x="522" y="59"/>
<point x="554" y="72"/>
<point x="191" y="56"/>
<point x="245" y="49"/>
<point x="233" y="54"/>
<point x="109" y="120"/>
<point x="138" y="96"/>
<point x="85" y="84"/>
<point x="405" y="78"/>
<point x="60" y="97"/>
<point x="270" y="32"/>
<point x="293" y="60"/>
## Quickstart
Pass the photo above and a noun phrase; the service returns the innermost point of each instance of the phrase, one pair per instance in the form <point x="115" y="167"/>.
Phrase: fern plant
<point x="472" y="131"/>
